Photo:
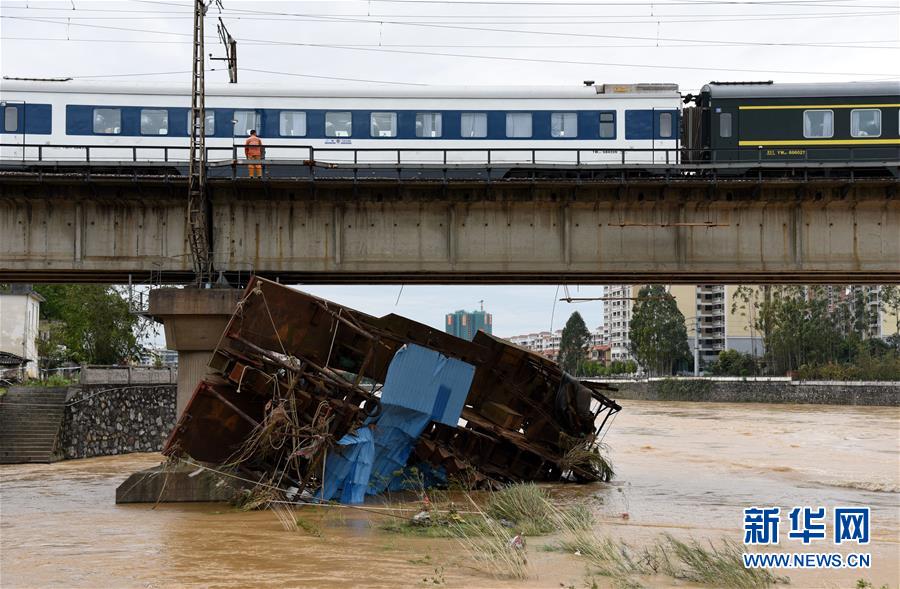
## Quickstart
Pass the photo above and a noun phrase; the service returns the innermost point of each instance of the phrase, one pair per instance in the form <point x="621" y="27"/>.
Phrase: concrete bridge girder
<point x="516" y="233"/>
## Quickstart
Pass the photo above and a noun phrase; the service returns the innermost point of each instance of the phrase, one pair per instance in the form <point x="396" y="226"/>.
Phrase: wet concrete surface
<point x="684" y="468"/>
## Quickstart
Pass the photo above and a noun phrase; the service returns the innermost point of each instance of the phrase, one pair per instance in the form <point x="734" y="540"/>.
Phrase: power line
<point x="108" y="27"/>
<point x="709" y="42"/>
<point x="542" y="19"/>
<point x="334" y="77"/>
<point x="130" y="75"/>
<point x="585" y="35"/>
<point x="443" y="46"/>
<point x="822" y="3"/>
<point x="573" y="62"/>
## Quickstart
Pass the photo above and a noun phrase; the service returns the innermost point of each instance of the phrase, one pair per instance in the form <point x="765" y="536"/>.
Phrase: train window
<point x="665" y="125"/>
<point x="607" y="125"/>
<point x="210" y="123"/>
<point x="154" y="122"/>
<point x="246" y="121"/>
<point x="428" y="124"/>
<point x="564" y="124"/>
<point x="292" y="123"/>
<point x="383" y="124"/>
<point x="518" y="124"/>
<point x="338" y="124"/>
<point x="818" y="123"/>
<point x="473" y="124"/>
<point x="10" y="119"/>
<point x="865" y="122"/>
<point x="725" y="124"/>
<point x="108" y="121"/>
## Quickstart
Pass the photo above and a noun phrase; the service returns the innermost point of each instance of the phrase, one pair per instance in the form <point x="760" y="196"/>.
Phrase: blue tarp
<point x="422" y="385"/>
<point x="428" y="382"/>
<point x="349" y="467"/>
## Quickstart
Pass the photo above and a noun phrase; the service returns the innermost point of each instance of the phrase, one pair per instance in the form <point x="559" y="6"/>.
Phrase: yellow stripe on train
<point x="814" y="106"/>
<point x="821" y="142"/>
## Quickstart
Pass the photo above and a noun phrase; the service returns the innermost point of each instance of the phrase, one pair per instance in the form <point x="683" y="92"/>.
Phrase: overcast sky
<point x="688" y="42"/>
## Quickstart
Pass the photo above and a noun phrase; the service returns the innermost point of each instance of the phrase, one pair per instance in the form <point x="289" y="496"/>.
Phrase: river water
<point x="684" y="468"/>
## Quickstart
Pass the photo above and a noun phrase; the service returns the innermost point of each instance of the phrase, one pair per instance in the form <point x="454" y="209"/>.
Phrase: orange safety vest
<point x="253" y="147"/>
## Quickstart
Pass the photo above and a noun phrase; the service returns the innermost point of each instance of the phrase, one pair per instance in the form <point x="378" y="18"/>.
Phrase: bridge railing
<point x="292" y="154"/>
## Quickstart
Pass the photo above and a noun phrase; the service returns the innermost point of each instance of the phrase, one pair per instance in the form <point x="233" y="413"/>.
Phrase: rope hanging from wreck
<point x="337" y="324"/>
<point x="609" y="427"/>
<point x="258" y="290"/>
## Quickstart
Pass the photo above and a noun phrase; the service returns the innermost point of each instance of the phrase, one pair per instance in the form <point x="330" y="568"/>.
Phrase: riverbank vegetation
<point x="819" y="332"/>
<point x="493" y="531"/>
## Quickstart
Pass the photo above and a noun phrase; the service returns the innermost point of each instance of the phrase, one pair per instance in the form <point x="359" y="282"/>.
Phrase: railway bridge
<point x="310" y="221"/>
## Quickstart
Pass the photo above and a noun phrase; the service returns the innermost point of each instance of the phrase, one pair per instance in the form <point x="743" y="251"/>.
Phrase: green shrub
<point x="734" y="363"/>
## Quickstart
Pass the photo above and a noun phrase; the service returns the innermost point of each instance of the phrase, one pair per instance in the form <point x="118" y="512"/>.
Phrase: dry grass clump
<point x="715" y="565"/>
<point x="495" y="548"/>
<point x="591" y="458"/>
<point x="525" y="506"/>
<point x="720" y="565"/>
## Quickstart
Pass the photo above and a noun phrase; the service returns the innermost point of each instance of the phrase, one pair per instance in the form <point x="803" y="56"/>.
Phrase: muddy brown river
<point x="684" y="468"/>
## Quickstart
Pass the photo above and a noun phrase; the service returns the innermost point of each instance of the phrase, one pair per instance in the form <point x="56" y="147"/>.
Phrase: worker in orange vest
<point x="253" y="151"/>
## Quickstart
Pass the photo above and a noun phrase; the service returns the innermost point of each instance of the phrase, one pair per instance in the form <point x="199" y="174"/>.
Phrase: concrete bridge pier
<point x="193" y="319"/>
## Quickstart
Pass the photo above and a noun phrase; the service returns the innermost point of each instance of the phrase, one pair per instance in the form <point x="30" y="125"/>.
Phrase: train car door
<point x="665" y="136"/>
<point x="13" y="118"/>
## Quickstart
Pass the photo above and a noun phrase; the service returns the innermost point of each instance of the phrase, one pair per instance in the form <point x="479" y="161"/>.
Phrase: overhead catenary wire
<point x="541" y="19"/>
<point x="408" y="49"/>
<point x="687" y="42"/>
<point x="825" y="3"/>
<point x="604" y="3"/>
<point x="423" y="45"/>
<point x="590" y="63"/>
<point x="527" y="59"/>
<point x="380" y="21"/>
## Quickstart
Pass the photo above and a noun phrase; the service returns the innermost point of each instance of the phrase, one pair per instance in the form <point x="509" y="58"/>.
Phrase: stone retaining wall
<point x="104" y="419"/>
<point x="824" y="393"/>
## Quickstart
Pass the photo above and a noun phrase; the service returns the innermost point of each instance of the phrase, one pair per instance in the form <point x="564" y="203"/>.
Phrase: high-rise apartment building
<point x="617" y="306"/>
<point x="465" y="324"/>
<point x="712" y="320"/>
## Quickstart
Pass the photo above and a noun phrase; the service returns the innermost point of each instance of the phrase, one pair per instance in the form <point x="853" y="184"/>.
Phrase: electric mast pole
<point x="198" y="205"/>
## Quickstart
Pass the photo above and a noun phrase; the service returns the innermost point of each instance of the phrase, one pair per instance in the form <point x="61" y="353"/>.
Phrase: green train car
<point x="837" y="123"/>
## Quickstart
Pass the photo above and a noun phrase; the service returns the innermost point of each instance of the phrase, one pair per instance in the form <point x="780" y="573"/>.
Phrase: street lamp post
<point x="696" y="343"/>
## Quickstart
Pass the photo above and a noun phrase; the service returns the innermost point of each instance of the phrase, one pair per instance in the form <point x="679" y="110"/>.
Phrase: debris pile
<point x="318" y="399"/>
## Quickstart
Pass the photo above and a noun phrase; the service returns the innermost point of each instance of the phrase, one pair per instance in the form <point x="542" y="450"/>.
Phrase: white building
<point x="617" y="306"/>
<point x="547" y="343"/>
<point x="19" y="315"/>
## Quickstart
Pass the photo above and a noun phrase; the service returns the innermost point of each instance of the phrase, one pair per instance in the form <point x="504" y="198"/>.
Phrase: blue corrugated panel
<point x="421" y="386"/>
<point x="349" y="467"/>
<point x="396" y="433"/>
<point x="428" y="382"/>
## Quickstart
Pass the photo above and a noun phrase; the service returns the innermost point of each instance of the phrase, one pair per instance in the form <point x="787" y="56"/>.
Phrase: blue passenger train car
<point x="431" y="124"/>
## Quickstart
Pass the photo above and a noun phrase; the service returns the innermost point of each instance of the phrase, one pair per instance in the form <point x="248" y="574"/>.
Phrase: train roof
<point x="772" y="90"/>
<point x="358" y="91"/>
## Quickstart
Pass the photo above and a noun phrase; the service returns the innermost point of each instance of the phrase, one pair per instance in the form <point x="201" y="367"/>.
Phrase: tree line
<point x="811" y="331"/>
<point x="87" y="324"/>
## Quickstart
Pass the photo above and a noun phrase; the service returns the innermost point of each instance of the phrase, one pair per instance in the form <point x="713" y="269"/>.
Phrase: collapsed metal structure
<point x="293" y="374"/>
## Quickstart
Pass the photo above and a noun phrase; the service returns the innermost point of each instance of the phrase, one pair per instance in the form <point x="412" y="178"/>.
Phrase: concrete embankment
<point x="761" y="391"/>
